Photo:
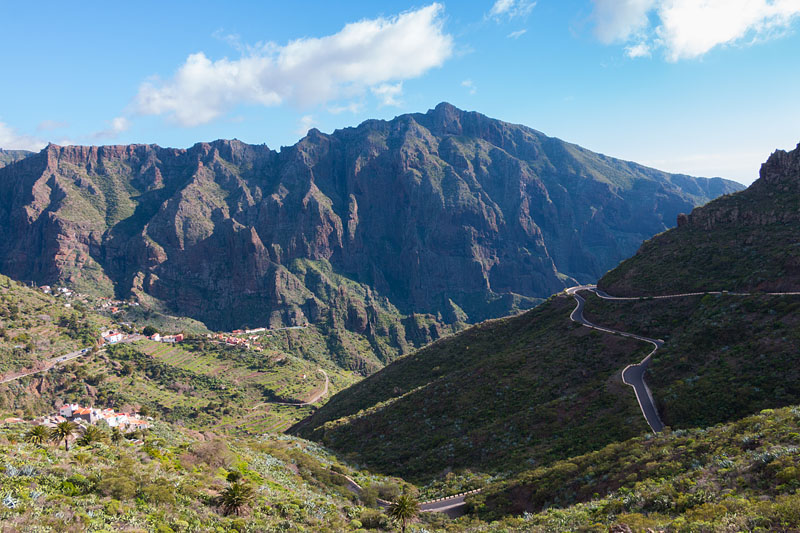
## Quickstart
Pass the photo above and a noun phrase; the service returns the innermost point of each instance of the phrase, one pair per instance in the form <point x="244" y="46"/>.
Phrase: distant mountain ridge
<point x="12" y="156"/>
<point x="448" y="214"/>
<point x="524" y="391"/>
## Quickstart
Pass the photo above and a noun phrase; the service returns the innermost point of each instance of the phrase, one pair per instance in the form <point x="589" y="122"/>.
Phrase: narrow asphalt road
<point x="452" y="506"/>
<point x="49" y="364"/>
<point x="310" y="401"/>
<point x="632" y="375"/>
<point x="61" y="359"/>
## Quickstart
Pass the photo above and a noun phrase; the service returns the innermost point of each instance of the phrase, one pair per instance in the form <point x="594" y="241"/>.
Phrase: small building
<point x="67" y="409"/>
<point x="112" y="337"/>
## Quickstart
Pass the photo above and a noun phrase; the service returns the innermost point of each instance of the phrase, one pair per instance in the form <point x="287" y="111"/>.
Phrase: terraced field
<point x="256" y="384"/>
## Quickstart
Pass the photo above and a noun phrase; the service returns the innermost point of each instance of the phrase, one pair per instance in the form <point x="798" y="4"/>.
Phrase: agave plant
<point x="10" y="501"/>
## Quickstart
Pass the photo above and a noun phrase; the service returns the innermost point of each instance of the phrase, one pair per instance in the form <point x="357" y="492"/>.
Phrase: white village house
<point x="124" y="421"/>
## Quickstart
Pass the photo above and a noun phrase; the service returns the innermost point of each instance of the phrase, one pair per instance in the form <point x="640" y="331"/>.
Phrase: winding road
<point x="48" y="365"/>
<point x="310" y="401"/>
<point x="452" y="506"/>
<point x="633" y="375"/>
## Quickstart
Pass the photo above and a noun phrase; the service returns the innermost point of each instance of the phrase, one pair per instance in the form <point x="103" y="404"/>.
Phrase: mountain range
<point x="530" y="409"/>
<point x="399" y="231"/>
<point x="537" y="388"/>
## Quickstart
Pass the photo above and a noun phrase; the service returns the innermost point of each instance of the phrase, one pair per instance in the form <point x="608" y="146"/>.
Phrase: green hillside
<point x="537" y="388"/>
<point x="747" y="241"/>
<point x="742" y="476"/>
<point x="173" y="483"/>
<point x="502" y="395"/>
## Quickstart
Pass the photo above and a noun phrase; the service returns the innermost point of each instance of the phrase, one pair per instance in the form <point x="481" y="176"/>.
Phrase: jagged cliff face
<point x="746" y="241"/>
<point x="447" y="213"/>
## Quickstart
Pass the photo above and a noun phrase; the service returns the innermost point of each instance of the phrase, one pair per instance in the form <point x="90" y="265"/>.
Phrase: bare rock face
<point x="449" y="214"/>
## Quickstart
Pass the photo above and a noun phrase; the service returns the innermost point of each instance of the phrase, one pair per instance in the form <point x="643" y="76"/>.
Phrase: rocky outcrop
<point x="448" y="214"/>
<point x="743" y="241"/>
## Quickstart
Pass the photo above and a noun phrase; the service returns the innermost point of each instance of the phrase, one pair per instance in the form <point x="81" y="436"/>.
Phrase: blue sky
<point x="703" y="87"/>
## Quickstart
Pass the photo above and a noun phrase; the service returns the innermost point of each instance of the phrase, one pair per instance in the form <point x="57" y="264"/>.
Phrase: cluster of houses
<point x="166" y="338"/>
<point x="126" y="422"/>
<point x="114" y="306"/>
<point x="244" y="342"/>
<point x="47" y="289"/>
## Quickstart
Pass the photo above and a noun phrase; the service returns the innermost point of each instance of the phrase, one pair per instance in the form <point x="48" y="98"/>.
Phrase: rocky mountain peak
<point x="447" y="213"/>
<point x="781" y="171"/>
<point x="446" y="119"/>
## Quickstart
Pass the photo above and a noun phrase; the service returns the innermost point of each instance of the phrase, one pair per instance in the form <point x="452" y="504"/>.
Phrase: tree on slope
<point x="236" y="497"/>
<point x="63" y="431"/>
<point x="404" y="509"/>
<point x="91" y="435"/>
<point x="37" y="435"/>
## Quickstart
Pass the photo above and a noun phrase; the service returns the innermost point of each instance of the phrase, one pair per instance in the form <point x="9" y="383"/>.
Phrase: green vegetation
<point x="742" y="476"/>
<point x="175" y="482"/>
<point x="499" y="396"/>
<point x="693" y="259"/>
<point x="35" y="327"/>
<point x="403" y="510"/>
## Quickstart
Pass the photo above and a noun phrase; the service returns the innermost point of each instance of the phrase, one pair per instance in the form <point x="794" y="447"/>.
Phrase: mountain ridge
<point x="489" y="395"/>
<point x="448" y="215"/>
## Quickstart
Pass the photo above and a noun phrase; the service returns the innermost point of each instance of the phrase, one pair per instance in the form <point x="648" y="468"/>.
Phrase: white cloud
<point x="469" y="84"/>
<point x="352" y="107"/>
<point x="690" y="29"/>
<point x="11" y="139"/>
<point x="116" y="126"/>
<point x="687" y="29"/>
<point x="511" y="9"/>
<point x="517" y="34"/>
<point x="389" y="93"/>
<point x="305" y="124"/>
<point x="372" y="54"/>
<point x="619" y="20"/>
<point x="637" y="50"/>
<point x="50" y="125"/>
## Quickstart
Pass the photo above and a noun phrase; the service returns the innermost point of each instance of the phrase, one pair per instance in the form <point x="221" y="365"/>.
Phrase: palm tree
<point x="37" y="435"/>
<point x="236" y="497"/>
<point x="116" y="435"/>
<point x="63" y="431"/>
<point x="404" y="509"/>
<point x="91" y="435"/>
